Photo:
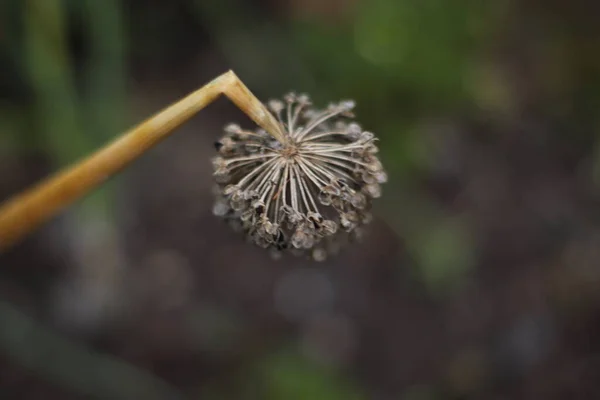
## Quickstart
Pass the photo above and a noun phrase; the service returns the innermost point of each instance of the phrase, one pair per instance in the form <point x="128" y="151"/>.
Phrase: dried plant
<point x="303" y="181"/>
<point x="307" y="192"/>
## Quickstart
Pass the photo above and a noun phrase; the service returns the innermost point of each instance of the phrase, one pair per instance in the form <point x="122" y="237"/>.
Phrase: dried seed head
<point x="307" y="195"/>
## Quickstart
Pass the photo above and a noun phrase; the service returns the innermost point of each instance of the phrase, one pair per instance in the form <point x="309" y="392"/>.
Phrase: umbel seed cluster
<point x="308" y="194"/>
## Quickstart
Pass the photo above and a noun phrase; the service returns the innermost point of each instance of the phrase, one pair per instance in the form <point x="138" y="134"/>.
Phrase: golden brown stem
<point x="26" y="211"/>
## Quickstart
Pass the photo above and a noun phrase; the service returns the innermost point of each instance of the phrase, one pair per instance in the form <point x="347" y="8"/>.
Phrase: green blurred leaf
<point x="289" y="376"/>
<point x="425" y="44"/>
<point x="445" y="252"/>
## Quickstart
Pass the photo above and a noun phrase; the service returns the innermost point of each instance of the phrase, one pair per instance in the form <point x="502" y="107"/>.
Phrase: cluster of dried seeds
<point x="307" y="195"/>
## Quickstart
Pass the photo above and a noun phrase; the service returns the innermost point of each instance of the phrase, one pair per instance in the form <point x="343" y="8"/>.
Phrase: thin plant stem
<point x="26" y="211"/>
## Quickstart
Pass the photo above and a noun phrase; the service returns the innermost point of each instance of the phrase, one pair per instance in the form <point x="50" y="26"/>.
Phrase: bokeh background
<point x="479" y="278"/>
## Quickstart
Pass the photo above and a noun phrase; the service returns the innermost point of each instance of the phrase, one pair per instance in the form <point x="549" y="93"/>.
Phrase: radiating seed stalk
<point x="306" y="193"/>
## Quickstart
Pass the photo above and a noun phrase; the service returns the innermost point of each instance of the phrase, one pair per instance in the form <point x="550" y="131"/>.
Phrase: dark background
<point x="479" y="278"/>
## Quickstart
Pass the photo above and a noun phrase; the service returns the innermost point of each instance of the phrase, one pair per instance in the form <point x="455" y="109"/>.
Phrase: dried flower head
<point x="308" y="194"/>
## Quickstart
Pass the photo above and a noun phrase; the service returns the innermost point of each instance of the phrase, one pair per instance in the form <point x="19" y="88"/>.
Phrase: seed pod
<point x="306" y="195"/>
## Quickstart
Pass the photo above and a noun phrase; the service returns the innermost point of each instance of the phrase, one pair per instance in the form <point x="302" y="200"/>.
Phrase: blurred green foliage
<point x="75" y="106"/>
<point x="288" y="375"/>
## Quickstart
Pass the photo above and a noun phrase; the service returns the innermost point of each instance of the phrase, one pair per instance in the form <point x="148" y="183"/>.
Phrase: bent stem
<point x="23" y="213"/>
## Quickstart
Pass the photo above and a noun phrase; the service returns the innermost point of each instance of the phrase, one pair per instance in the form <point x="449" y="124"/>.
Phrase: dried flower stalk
<point x="26" y="211"/>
